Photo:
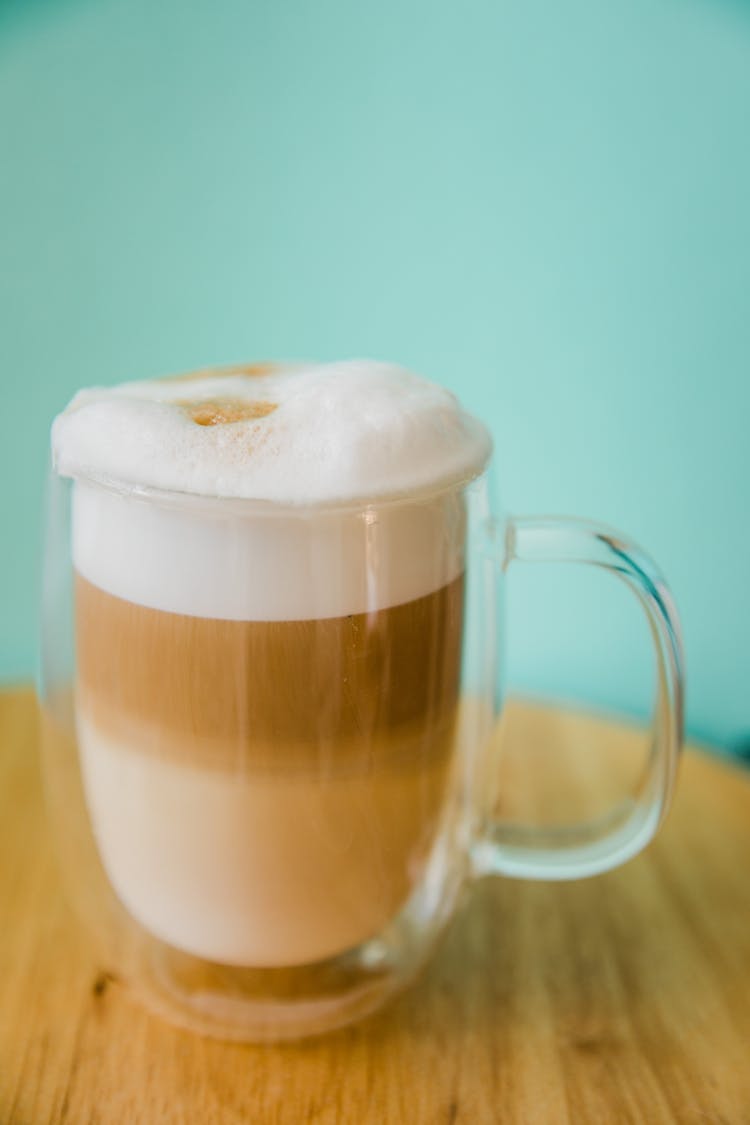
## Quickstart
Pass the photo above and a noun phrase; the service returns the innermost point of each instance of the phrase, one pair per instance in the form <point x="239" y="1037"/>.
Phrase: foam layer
<point x="211" y="559"/>
<point x="307" y="434"/>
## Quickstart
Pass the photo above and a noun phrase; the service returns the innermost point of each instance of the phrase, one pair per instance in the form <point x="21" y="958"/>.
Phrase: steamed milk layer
<point x="266" y="701"/>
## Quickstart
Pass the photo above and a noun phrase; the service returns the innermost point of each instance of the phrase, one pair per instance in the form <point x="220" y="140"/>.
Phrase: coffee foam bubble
<point x="309" y="434"/>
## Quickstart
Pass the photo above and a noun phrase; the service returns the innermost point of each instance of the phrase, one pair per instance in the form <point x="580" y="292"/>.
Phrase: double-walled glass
<point x="267" y="738"/>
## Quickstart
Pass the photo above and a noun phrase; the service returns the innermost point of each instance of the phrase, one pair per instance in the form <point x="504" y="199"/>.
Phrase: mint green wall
<point x="546" y="206"/>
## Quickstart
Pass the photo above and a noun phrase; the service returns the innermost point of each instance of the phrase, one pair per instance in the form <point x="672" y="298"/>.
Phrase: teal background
<point x="545" y="206"/>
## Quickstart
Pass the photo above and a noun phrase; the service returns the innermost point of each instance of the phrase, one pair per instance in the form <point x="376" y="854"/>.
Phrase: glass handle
<point x="581" y="850"/>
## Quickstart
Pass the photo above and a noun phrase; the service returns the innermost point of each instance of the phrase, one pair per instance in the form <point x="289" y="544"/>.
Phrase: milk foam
<point x="317" y="436"/>
<point x="313" y="434"/>
<point x="213" y="558"/>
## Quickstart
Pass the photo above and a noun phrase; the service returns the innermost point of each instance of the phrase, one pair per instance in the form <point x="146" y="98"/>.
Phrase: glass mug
<point x="267" y="738"/>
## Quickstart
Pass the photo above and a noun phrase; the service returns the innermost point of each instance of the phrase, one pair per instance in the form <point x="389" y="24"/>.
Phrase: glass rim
<point x="176" y="498"/>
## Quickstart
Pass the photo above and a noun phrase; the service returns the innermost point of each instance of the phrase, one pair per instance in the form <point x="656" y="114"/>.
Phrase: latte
<point x="269" y="601"/>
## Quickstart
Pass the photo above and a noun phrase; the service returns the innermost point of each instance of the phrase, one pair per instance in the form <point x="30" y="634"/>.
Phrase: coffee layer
<point x="270" y="693"/>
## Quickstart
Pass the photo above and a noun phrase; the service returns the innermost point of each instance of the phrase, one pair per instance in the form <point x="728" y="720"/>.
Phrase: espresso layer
<point x="332" y="685"/>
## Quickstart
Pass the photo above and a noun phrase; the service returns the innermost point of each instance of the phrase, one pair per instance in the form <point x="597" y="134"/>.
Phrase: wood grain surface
<point x="625" y="998"/>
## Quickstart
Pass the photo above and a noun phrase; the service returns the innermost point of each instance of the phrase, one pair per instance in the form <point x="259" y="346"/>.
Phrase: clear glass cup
<point x="267" y="738"/>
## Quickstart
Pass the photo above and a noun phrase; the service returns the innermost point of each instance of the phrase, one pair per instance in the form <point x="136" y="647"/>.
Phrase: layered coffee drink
<point x="269" y="597"/>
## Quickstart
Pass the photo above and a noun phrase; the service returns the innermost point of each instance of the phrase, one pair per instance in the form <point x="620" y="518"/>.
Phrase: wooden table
<point x="625" y="998"/>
